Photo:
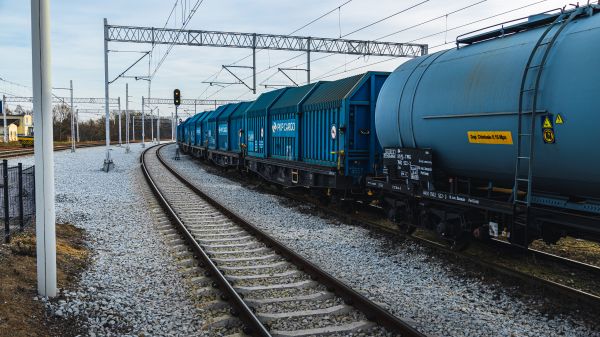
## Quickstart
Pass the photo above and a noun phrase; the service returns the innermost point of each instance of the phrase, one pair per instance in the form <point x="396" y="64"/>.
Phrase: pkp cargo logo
<point x="285" y="128"/>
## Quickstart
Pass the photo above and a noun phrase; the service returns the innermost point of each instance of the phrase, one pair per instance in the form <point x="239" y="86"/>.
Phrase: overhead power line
<point x="386" y="18"/>
<point x="185" y="23"/>
<point x="327" y="74"/>
<point x="337" y="8"/>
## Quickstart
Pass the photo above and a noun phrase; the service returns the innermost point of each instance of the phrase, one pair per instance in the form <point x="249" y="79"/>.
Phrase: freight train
<point x="497" y="137"/>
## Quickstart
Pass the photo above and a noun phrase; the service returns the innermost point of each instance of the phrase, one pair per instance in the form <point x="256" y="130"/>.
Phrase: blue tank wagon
<point x="505" y="126"/>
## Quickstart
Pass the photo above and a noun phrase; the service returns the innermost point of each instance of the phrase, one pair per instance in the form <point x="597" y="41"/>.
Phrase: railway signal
<point x="176" y="97"/>
<point x="176" y="101"/>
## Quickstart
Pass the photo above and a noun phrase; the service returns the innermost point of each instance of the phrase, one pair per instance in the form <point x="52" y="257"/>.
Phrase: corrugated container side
<point x="284" y="122"/>
<point x="200" y="129"/>
<point x="223" y="129"/>
<point x="337" y="125"/>
<point x="256" y="123"/>
<point x="283" y="136"/>
<point x="237" y="127"/>
<point x="319" y="148"/>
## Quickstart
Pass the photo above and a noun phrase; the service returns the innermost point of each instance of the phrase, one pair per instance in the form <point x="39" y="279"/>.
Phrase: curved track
<point x="272" y="289"/>
<point x="545" y="285"/>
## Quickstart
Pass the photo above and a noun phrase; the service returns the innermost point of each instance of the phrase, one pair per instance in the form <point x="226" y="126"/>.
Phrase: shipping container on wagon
<point x="284" y="120"/>
<point x="237" y="127"/>
<point x="337" y="126"/>
<point x="209" y="128"/>
<point x="200" y="129"/>
<point x="190" y="130"/>
<point x="222" y="122"/>
<point x="214" y="128"/>
<point x="256" y="123"/>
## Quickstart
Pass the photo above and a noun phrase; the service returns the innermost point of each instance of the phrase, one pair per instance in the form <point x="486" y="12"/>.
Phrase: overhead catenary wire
<point x="184" y="25"/>
<point x="338" y="8"/>
<point x="399" y="31"/>
<point x="326" y="75"/>
<point x="404" y="10"/>
<point x="387" y="17"/>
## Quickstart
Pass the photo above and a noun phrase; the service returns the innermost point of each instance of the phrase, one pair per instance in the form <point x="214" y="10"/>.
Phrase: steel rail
<point x="10" y="153"/>
<point x="531" y="280"/>
<point x="371" y="310"/>
<point x="253" y="324"/>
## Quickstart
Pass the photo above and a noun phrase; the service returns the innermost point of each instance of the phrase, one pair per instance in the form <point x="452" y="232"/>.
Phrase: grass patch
<point x="19" y="312"/>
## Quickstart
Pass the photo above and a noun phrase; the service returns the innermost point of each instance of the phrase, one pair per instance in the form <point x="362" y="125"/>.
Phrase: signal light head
<point x="176" y="97"/>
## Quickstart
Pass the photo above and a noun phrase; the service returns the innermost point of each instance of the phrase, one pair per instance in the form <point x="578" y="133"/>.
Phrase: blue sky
<point x="77" y="39"/>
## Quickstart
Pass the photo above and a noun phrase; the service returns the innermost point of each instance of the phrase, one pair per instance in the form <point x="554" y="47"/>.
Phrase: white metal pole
<point x="127" y="117"/>
<point x="4" y="117"/>
<point x="143" y="126"/>
<point x="72" y="118"/>
<point x="43" y="148"/>
<point x="158" y="125"/>
<point x="119" y="106"/>
<point x="108" y="163"/>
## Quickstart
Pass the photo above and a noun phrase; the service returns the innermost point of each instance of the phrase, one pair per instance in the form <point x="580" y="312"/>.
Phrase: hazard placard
<point x="559" y="119"/>
<point x="547" y="123"/>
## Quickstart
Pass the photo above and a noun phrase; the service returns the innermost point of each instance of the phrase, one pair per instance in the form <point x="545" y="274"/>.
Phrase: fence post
<point x="6" y="210"/>
<point x="21" y="216"/>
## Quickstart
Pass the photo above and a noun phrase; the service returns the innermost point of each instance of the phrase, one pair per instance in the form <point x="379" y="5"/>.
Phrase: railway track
<point x="545" y="285"/>
<point x="4" y="154"/>
<point x="501" y="248"/>
<point x="270" y="288"/>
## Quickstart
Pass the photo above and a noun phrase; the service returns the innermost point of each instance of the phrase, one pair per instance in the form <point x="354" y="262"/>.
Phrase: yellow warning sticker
<point x="547" y="123"/>
<point x="490" y="137"/>
<point x="559" y="119"/>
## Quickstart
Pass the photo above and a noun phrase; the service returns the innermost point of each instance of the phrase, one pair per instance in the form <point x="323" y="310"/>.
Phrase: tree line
<point x="94" y="129"/>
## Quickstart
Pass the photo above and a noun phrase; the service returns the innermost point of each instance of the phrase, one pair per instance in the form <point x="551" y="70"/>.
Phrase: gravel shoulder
<point x="132" y="287"/>
<point x="442" y="298"/>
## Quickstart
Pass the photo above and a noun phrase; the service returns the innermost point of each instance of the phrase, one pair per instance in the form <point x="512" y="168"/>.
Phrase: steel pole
<point x="158" y="125"/>
<point x="120" y="115"/>
<point x="254" y="64"/>
<point x="127" y="117"/>
<point x="176" y="144"/>
<point x="108" y="163"/>
<point x="133" y="128"/>
<point x="77" y="124"/>
<point x="308" y="61"/>
<point x="143" y="126"/>
<point x="4" y="118"/>
<point x="43" y="148"/>
<point x="72" y="118"/>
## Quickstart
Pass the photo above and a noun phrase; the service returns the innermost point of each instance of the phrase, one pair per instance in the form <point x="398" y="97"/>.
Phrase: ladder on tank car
<point x="526" y="140"/>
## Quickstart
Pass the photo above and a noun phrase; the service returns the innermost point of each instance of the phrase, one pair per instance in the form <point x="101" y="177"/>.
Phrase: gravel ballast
<point x="441" y="298"/>
<point x="132" y="286"/>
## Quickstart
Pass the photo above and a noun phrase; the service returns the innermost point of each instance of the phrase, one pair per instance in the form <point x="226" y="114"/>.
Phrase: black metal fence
<point x="17" y="197"/>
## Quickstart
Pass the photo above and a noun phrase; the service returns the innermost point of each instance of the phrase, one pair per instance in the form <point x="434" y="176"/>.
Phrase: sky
<point x="77" y="41"/>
